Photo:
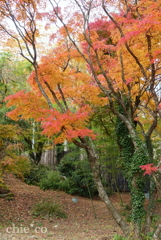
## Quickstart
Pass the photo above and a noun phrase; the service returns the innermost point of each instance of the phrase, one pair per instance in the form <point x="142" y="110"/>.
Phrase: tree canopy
<point x="102" y="59"/>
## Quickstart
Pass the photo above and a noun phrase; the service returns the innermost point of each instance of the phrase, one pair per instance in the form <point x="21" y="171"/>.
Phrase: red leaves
<point x="129" y="80"/>
<point x="149" y="168"/>
<point x="67" y="125"/>
<point x="159" y="106"/>
<point x="99" y="25"/>
<point x="128" y="36"/>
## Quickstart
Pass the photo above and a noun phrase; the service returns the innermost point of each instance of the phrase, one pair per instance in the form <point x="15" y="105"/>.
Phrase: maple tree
<point x="110" y="60"/>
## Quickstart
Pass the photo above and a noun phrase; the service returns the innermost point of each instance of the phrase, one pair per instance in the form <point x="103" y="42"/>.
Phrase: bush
<point x="55" y="181"/>
<point x="49" y="209"/>
<point x="36" y="173"/>
<point x="18" y="165"/>
<point x="22" y="167"/>
<point x="77" y="181"/>
<point x="50" y="181"/>
<point x="81" y="183"/>
<point x="67" y="167"/>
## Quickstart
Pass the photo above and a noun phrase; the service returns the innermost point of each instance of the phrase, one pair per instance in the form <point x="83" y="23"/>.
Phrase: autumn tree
<point x="109" y="59"/>
<point x="13" y="74"/>
<point x="122" y="52"/>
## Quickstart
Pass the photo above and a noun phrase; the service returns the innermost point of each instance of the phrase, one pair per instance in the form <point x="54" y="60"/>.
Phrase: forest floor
<point x="85" y="220"/>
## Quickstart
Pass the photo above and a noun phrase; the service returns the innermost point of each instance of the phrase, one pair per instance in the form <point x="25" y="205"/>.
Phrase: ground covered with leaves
<point x="86" y="219"/>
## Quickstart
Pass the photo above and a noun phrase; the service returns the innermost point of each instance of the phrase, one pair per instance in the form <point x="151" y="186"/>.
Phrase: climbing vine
<point x="132" y="157"/>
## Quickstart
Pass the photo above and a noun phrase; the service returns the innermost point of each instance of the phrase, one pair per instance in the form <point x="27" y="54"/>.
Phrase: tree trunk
<point x="137" y="234"/>
<point x="94" y="163"/>
<point x="157" y="233"/>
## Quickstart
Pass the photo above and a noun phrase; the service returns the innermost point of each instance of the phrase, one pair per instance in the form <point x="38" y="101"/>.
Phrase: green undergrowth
<point x="49" y="209"/>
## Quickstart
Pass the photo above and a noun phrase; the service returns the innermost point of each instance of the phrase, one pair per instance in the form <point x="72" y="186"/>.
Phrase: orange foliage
<point x="116" y="58"/>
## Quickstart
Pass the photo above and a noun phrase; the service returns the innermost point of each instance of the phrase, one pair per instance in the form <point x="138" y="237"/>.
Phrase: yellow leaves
<point x="19" y="165"/>
<point x="90" y="94"/>
<point x="67" y="69"/>
<point x="11" y="148"/>
<point x="147" y="99"/>
<point x="9" y="159"/>
<point x="9" y="132"/>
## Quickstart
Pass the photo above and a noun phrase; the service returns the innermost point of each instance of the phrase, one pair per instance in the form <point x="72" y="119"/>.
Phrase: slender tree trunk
<point x="94" y="163"/>
<point x="150" y="210"/>
<point x="93" y="158"/>
<point x="137" y="235"/>
<point x="157" y="233"/>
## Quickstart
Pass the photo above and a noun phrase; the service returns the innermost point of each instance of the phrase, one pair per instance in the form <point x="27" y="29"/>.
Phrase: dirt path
<point x="17" y="222"/>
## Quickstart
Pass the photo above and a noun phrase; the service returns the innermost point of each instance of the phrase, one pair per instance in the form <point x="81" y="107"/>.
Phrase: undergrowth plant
<point x="36" y="173"/>
<point x="49" y="209"/>
<point x="73" y="177"/>
<point x="119" y="237"/>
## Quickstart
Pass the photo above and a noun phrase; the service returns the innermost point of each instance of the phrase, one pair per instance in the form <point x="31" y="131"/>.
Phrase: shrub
<point x="50" y="181"/>
<point x="55" y="181"/>
<point x="22" y="167"/>
<point x="19" y="166"/>
<point x="79" y="181"/>
<point x="49" y="209"/>
<point x="36" y="173"/>
<point x="67" y="167"/>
